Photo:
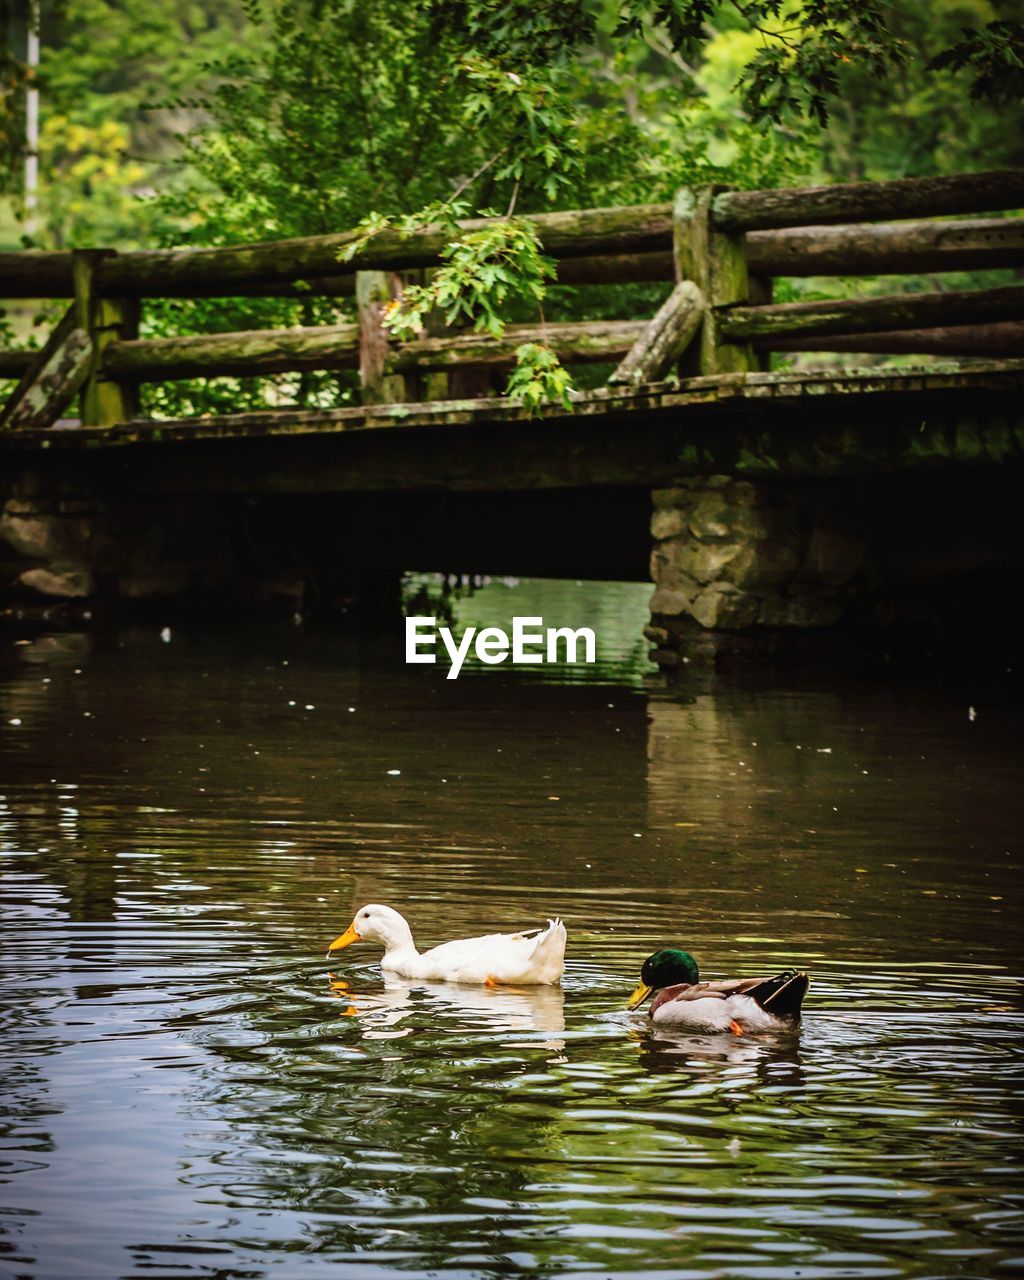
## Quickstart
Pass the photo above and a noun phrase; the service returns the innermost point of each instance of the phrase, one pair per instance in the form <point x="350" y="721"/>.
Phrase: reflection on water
<point x="192" y="1090"/>
<point x="615" y="611"/>
<point x="393" y="1010"/>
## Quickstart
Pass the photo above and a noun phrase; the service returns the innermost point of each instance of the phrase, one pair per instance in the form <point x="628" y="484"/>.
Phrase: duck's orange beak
<point x="346" y="939"/>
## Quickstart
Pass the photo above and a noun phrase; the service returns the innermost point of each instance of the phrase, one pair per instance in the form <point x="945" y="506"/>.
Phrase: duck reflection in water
<point x="716" y="1059"/>
<point x="383" y="1011"/>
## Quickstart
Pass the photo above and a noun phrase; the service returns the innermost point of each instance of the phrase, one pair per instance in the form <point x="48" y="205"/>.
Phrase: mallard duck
<point x="740" y="1005"/>
<point x="536" y="957"/>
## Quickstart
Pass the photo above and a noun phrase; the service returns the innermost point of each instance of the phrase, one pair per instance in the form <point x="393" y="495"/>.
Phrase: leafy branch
<point x="484" y="269"/>
<point x="996" y="57"/>
<point x="539" y="378"/>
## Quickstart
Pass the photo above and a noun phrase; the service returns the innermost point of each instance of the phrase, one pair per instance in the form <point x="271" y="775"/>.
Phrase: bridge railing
<point x="721" y="249"/>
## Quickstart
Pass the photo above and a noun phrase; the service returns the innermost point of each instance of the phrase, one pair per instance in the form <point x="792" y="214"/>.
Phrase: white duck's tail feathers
<point x="542" y="930"/>
<point x="550" y="944"/>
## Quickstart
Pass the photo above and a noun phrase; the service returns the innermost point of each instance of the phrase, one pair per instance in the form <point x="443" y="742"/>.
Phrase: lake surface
<point x="189" y="1092"/>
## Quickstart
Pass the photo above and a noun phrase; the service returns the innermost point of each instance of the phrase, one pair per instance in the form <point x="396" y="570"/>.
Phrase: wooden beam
<point x="575" y="342"/>
<point x="875" y="248"/>
<point x="869" y="201"/>
<point x="256" y="353"/>
<point x="33" y="273"/>
<point x="656" y="352"/>
<point x="14" y="363"/>
<point x="651" y="265"/>
<point x="21" y="277"/>
<point x="872" y="315"/>
<point x="431" y="383"/>
<point x="799" y="424"/>
<point x="1003" y="339"/>
<point x="261" y="352"/>
<point x="273" y="266"/>
<point x="654" y="265"/>
<point x="963" y="244"/>
<point x="252" y="353"/>
<point x="181" y="272"/>
<point x="374" y="290"/>
<point x="888" y="248"/>
<point x="105" y="399"/>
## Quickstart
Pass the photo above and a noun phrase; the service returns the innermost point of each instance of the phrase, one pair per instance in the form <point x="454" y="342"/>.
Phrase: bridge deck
<point x="792" y="423"/>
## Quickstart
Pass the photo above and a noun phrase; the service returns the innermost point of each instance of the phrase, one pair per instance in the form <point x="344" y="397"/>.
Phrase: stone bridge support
<point x="772" y="568"/>
<point x="70" y="547"/>
<point x="733" y="558"/>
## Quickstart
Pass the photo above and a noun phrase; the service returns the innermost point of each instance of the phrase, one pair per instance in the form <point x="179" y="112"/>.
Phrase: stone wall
<point x="734" y="557"/>
<point x="66" y="550"/>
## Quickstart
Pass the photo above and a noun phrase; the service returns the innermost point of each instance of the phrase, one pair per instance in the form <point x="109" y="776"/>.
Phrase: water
<point x="191" y="1094"/>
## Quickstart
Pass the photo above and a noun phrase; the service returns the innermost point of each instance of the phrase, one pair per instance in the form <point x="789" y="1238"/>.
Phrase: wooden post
<point x="716" y="262"/>
<point x="105" y="402"/>
<point x="762" y="294"/>
<point x="419" y="385"/>
<point x="374" y="290"/>
<point x="435" y="384"/>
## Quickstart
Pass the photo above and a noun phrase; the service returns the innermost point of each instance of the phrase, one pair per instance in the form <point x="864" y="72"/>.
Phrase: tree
<point x="304" y="116"/>
<point x="349" y="113"/>
<point x="106" y="67"/>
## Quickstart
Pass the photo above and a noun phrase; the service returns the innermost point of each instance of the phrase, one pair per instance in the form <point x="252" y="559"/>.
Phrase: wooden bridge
<point x="687" y="392"/>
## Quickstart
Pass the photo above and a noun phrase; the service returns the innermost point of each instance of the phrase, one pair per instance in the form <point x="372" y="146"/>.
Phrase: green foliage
<point x="538" y="378"/>
<point x="483" y="270"/>
<point x="308" y="114"/>
<point x="441" y="215"/>
<point x="392" y="115"/>
<point x="8" y="337"/>
<point x="302" y="117"/>
<point x="12" y="93"/>
<point x="342" y="108"/>
<point x="921" y="120"/>
<point x="535" y="114"/>
<point x="90" y="187"/>
<point x="795" y="69"/>
<point x="103" y="64"/>
<point x="535" y="32"/>
<point x="995" y="56"/>
<point x="144" y="65"/>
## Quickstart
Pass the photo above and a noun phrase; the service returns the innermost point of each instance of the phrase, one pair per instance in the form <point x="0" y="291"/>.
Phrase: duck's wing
<point x="700" y="1006"/>
<point x="726" y="987"/>
<point x="685" y="992"/>
<point x="441" y="962"/>
<point x="778" y="994"/>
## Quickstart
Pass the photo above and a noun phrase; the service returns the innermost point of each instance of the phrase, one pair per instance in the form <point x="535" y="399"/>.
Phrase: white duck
<point x="536" y="957"/>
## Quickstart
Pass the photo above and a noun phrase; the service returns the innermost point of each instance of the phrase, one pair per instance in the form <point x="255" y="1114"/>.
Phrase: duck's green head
<point x="665" y="968"/>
